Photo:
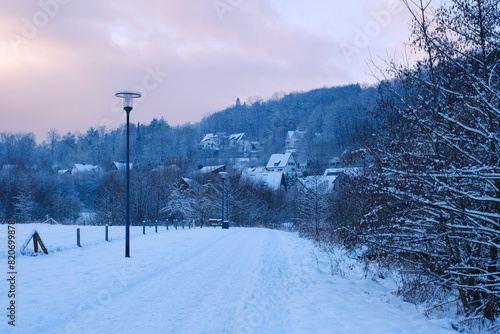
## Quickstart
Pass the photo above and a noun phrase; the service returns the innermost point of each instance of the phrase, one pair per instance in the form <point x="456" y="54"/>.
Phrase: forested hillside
<point x="33" y="184"/>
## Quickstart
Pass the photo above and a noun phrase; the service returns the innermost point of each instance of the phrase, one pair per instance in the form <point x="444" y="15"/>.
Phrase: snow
<point x="210" y="169"/>
<point x="260" y="175"/>
<point x="203" y="281"/>
<point x="278" y="161"/>
<point x="84" y="168"/>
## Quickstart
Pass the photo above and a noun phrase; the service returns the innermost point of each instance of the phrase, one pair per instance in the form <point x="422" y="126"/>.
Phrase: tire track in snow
<point x="265" y="309"/>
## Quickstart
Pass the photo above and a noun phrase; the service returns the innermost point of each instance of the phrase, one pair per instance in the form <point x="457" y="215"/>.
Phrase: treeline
<point x="32" y="189"/>
<point x="430" y="202"/>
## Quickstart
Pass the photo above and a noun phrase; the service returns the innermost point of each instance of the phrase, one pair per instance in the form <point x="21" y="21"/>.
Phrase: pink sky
<point x="61" y="61"/>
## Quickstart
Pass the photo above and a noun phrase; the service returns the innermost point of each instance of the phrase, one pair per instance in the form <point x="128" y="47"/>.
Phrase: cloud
<point x="62" y="72"/>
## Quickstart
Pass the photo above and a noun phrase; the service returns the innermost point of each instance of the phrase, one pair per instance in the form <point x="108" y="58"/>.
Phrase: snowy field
<point x="201" y="281"/>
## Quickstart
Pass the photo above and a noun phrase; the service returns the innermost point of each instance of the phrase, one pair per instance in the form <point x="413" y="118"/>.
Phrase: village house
<point x="213" y="141"/>
<point x="240" y="143"/>
<point x="121" y="166"/>
<point x="85" y="169"/>
<point x="293" y="139"/>
<point x="261" y="176"/>
<point x="282" y="163"/>
<point x="212" y="169"/>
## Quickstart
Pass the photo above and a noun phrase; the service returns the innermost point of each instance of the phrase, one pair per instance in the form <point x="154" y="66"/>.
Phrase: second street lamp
<point x="223" y="176"/>
<point x="128" y="96"/>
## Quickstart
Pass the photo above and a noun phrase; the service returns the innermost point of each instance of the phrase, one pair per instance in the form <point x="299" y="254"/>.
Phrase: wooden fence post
<point x="78" y="237"/>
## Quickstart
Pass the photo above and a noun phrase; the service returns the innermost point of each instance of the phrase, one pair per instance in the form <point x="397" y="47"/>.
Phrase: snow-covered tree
<point x="181" y="203"/>
<point x="24" y="205"/>
<point x="438" y="153"/>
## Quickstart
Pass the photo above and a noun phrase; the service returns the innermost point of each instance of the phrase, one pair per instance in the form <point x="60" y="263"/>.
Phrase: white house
<point x="121" y="165"/>
<point x="213" y="141"/>
<point x="260" y="175"/>
<point x="282" y="163"/>
<point x="320" y="184"/>
<point x="84" y="168"/>
<point x="293" y="139"/>
<point x="329" y="181"/>
<point x="212" y="169"/>
<point x="241" y="143"/>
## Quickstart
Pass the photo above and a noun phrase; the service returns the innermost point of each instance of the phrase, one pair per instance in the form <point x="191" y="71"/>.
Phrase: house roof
<point x="259" y="175"/>
<point x="84" y="168"/>
<point x="122" y="165"/>
<point x="191" y="183"/>
<point x="296" y="133"/>
<point x="321" y="184"/>
<point x="236" y="137"/>
<point x="210" y="136"/>
<point x="279" y="160"/>
<point x="210" y="169"/>
<point x="344" y="170"/>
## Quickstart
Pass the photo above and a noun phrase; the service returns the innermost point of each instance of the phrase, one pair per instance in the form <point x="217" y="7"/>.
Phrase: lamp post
<point x="223" y="176"/>
<point x="128" y="96"/>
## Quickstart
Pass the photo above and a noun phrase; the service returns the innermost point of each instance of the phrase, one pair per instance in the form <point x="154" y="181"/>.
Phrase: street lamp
<point x="223" y="176"/>
<point x="128" y="96"/>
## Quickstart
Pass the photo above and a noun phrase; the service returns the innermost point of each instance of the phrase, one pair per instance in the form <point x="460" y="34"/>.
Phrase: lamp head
<point x="128" y="96"/>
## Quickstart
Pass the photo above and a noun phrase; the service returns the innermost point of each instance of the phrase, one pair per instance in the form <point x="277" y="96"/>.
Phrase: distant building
<point x="186" y="183"/>
<point x="240" y="143"/>
<point x="64" y="171"/>
<point x="213" y="141"/>
<point x="261" y="176"/>
<point x="328" y="182"/>
<point x="293" y="139"/>
<point x="85" y="169"/>
<point x="282" y="163"/>
<point x="321" y="184"/>
<point x="121" y="165"/>
<point x="334" y="162"/>
<point x="212" y="169"/>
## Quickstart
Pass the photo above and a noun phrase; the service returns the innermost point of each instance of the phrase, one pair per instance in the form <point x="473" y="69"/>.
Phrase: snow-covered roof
<point x="343" y="170"/>
<point x="209" y="169"/>
<point x="209" y="136"/>
<point x="321" y="184"/>
<point x="191" y="183"/>
<point x="259" y="175"/>
<point x="122" y="165"/>
<point x="295" y="133"/>
<point x="236" y="137"/>
<point x="279" y="160"/>
<point x="84" y="168"/>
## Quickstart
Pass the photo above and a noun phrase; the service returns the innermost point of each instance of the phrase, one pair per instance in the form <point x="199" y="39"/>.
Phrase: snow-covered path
<point x="203" y="281"/>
